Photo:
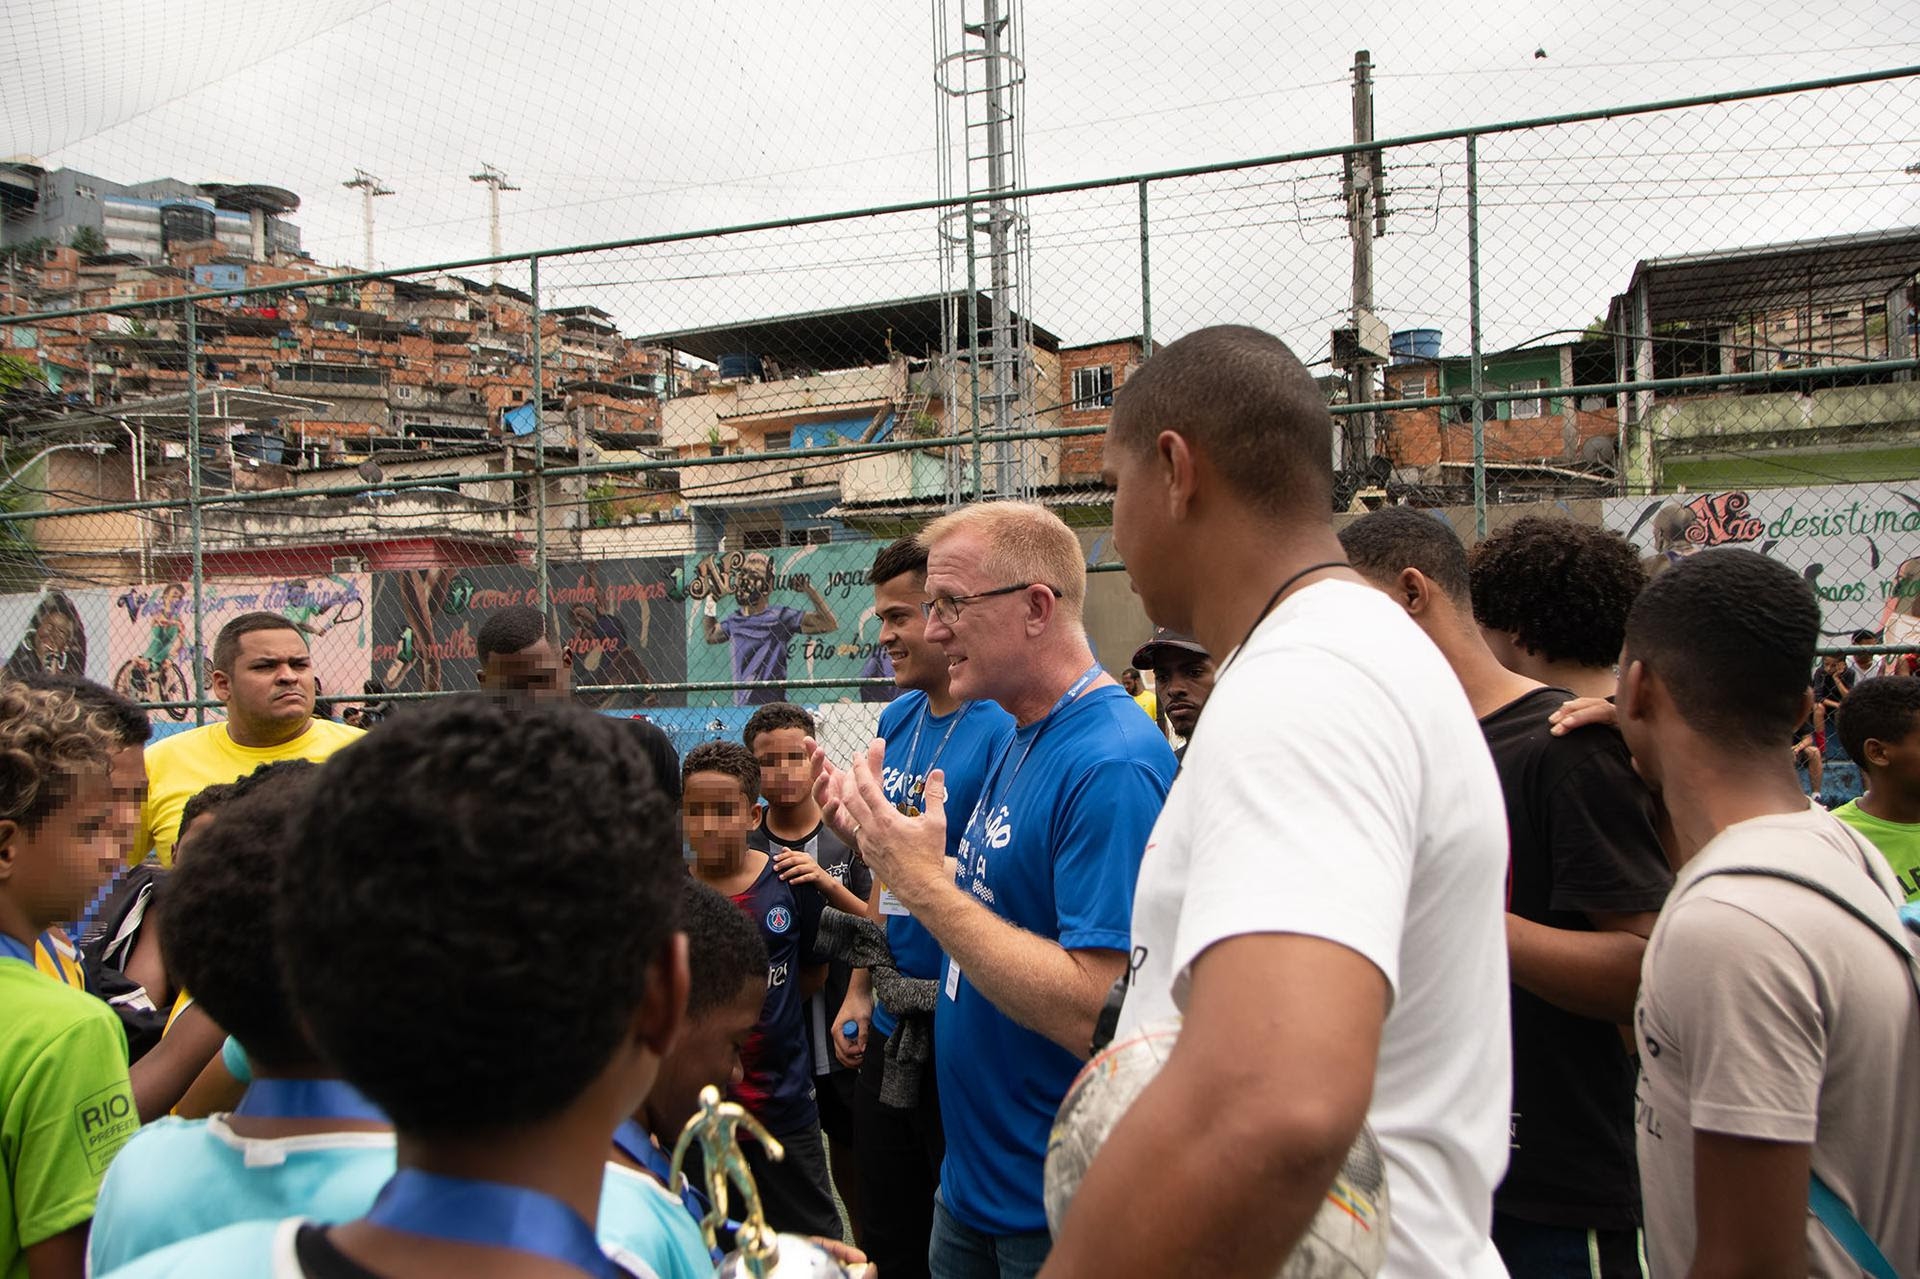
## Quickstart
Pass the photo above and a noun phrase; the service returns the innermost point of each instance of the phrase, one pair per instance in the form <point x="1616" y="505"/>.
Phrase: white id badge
<point x="890" y="904"/>
<point x="953" y="979"/>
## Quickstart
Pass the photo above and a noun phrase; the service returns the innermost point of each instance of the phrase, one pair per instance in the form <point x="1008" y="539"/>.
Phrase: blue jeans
<point x="960" y="1252"/>
<point x="1534" y="1251"/>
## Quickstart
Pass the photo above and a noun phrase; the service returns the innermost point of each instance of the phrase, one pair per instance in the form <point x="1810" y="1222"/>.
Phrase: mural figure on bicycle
<point x="150" y="635"/>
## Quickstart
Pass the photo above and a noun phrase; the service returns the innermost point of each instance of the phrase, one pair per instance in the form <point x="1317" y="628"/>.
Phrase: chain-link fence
<point x="1691" y="321"/>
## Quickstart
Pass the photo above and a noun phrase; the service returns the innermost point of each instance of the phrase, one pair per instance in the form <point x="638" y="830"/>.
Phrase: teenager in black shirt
<point x="1586" y="879"/>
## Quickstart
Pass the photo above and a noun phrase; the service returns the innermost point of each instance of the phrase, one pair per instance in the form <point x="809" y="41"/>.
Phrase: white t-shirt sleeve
<point x="1302" y="815"/>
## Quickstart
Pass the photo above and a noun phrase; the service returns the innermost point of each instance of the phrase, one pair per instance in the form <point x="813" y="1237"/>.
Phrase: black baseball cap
<point x="1145" y="657"/>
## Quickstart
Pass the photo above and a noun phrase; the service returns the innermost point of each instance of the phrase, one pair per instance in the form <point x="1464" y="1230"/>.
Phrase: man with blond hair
<point x="1035" y="923"/>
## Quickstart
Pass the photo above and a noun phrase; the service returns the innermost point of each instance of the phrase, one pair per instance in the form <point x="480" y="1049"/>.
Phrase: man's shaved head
<point x="1242" y="399"/>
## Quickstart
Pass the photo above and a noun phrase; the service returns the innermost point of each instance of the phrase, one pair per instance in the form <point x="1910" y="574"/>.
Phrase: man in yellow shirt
<point x="263" y="674"/>
<point x="1142" y="695"/>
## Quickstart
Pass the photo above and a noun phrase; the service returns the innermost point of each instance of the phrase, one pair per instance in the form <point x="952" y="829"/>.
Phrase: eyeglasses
<point x="946" y="608"/>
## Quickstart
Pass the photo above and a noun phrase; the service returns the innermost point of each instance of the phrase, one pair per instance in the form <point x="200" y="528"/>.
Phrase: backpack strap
<point x="1847" y="1231"/>
<point x="1821" y="1198"/>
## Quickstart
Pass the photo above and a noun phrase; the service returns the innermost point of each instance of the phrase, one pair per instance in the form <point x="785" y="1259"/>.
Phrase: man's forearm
<point x="1048" y="989"/>
<point x="1589" y="974"/>
<point x="1232" y="1197"/>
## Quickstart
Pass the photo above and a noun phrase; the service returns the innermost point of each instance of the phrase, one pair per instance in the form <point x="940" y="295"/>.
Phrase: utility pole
<point x="495" y="182"/>
<point x="368" y="186"/>
<point x="1366" y="218"/>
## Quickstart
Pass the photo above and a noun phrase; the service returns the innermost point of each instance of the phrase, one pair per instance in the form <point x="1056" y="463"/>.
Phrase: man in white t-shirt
<point x="1323" y="909"/>
<point x="1778" y="1032"/>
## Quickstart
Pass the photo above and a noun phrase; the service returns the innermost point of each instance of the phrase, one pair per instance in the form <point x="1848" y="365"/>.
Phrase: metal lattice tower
<point x="987" y="370"/>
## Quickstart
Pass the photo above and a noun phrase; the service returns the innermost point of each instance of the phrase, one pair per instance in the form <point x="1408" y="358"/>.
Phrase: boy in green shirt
<point x="65" y="1103"/>
<point x="1880" y="727"/>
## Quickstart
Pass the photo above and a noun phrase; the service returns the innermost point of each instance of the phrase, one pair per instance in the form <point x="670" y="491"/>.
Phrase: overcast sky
<point x="619" y="118"/>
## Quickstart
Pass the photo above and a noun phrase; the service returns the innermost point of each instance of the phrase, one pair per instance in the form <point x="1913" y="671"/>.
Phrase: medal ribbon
<point x="306" y="1099"/>
<point x="490" y="1214"/>
<point x="634" y="1143"/>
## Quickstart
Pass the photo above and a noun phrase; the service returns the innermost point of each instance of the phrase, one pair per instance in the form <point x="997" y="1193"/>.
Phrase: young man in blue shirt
<point x="1035" y="928"/>
<point x="897" y="1131"/>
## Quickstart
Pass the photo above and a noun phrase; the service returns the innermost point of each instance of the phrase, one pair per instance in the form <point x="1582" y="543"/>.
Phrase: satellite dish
<point x="370" y="471"/>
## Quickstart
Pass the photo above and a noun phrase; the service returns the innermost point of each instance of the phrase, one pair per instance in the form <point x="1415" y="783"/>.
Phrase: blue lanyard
<point x="993" y="791"/>
<point x="635" y="1144"/>
<point x="915" y="782"/>
<point x="14" y="948"/>
<point x="306" y="1099"/>
<point x="490" y="1214"/>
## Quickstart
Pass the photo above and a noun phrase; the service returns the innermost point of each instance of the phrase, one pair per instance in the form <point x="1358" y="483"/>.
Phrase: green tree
<point x="88" y="241"/>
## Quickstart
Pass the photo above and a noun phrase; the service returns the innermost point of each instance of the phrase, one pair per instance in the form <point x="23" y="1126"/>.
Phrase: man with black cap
<point x="1182" y="676"/>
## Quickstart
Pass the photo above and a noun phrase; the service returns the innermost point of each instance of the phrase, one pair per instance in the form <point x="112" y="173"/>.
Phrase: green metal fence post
<point x="1146" y="281"/>
<point x="539" y="444"/>
<point x="198" y="657"/>
<point x="1478" y="362"/>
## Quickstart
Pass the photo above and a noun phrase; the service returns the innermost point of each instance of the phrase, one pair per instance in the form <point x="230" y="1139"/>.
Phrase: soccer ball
<point x="1348" y="1236"/>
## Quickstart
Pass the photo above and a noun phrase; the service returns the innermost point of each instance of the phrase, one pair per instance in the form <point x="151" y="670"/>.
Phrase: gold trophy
<point x="759" y="1251"/>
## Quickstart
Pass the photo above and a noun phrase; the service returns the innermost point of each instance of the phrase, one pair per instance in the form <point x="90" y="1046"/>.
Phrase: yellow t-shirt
<point x="181" y="766"/>
<point x="1149" y="703"/>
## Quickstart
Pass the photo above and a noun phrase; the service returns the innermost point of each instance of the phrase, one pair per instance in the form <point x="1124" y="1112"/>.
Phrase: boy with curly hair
<point x="460" y="972"/>
<point x="66" y="1106"/>
<point x="1551" y="596"/>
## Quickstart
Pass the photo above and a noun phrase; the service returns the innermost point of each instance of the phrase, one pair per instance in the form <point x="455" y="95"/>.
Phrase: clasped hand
<point x="907" y="853"/>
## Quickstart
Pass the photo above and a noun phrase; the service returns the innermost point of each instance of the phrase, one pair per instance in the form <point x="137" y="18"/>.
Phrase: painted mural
<point x="616" y="619"/>
<point x="1858" y="545"/>
<point x="151" y="654"/>
<point x="791" y="613"/>
<point x="62" y="631"/>
<point x="786" y="614"/>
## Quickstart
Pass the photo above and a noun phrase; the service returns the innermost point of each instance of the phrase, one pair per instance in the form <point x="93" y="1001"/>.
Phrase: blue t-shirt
<point x="980" y="729"/>
<point x="1055" y="847"/>
<point x="178" y="1178"/>
<point x="776" y="1059"/>
<point x="638" y="1215"/>
<point x="760" y="648"/>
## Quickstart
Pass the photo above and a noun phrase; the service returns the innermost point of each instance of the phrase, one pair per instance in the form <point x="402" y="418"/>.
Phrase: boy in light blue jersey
<point x="727" y="983"/>
<point x="447" y="945"/>
<point x="299" y="1143"/>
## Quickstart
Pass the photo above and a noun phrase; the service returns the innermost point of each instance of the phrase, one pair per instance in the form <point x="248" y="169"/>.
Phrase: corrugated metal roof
<point x="1730" y="283"/>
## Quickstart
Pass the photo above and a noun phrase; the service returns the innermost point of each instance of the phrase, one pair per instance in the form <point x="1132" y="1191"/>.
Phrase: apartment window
<point x="817" y="535"/>
<point x="779" y="441"/>
<point x="1093" y="387"/>
<point x="762" y="539"/>
<point x="1536" y="407"/>
<point x="403" y="393"/>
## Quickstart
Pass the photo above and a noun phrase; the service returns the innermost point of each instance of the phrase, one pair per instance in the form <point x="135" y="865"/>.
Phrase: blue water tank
<point x="1414" y="344"/>
<point x="744" y="365"/>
